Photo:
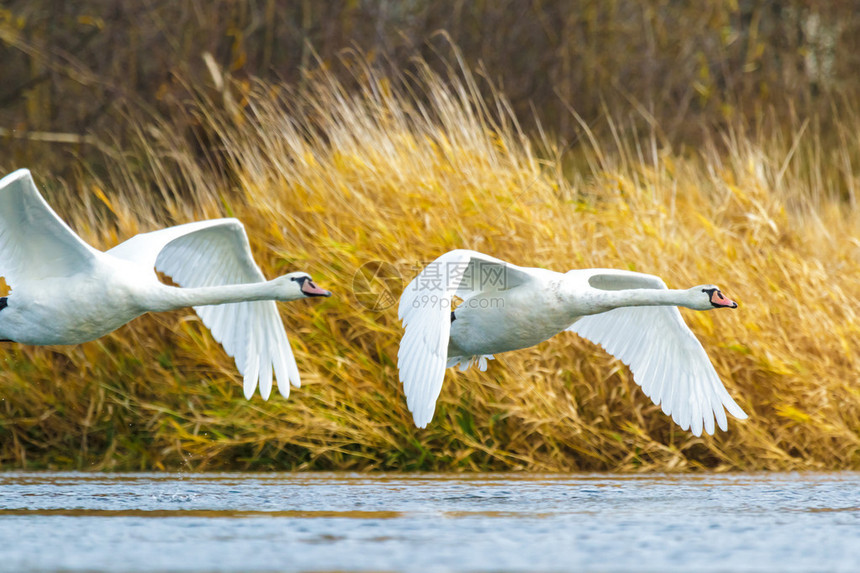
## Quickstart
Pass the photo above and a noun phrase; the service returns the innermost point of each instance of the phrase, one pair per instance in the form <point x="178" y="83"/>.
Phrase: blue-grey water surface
<point x="426" y="522"/>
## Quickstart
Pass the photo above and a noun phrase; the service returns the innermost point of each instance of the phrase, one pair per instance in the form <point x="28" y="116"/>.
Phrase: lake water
<point x="425" y="522"/>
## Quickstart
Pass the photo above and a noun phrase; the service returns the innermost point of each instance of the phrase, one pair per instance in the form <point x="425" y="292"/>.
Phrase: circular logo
<point x="376" y="285"/>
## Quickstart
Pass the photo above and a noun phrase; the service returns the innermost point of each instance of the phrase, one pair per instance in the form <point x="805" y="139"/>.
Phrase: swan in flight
<point x="504" y="307"/>
<point x="64" y="291"/>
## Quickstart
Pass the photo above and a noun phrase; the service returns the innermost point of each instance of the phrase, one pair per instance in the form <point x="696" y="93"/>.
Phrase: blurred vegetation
<point x="677" y="68"/>
<point x="703" y="143"/>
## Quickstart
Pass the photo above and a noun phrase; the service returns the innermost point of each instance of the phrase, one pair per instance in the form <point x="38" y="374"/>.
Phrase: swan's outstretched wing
<point x="214" y="253"/>
<point x="666" y="358"/>
<point x="34" y="242"/>
<point x="425" y="309"/>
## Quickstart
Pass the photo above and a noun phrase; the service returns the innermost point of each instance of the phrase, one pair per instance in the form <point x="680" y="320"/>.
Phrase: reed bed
<point x="398" y="172"/>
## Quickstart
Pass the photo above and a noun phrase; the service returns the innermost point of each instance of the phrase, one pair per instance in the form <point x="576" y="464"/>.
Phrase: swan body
<point x="504" y="307"/>
<point x="64" y="291"/>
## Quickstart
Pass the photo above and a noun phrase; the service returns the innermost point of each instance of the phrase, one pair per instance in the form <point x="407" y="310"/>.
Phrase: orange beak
<point x="718" y="299"/>
<point x="310" y="289"/>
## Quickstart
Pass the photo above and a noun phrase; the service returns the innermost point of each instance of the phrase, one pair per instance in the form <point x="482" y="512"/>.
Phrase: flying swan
<point x="63" y="291"/>
<point x="505" y="307"/>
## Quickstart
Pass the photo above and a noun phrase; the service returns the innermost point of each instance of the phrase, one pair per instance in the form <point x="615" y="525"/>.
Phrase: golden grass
<point x="326" y="180"/>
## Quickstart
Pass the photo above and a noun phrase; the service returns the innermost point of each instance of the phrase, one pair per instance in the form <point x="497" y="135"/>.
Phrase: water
<point x="498" y="522"/>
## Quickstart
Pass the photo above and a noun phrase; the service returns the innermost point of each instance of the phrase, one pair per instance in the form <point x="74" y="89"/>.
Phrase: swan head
<point x="706" y="297"/>
<point x="301" y="285"/>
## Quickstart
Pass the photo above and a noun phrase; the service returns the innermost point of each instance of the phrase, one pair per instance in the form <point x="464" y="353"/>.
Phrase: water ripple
<point x="427" y="522"/>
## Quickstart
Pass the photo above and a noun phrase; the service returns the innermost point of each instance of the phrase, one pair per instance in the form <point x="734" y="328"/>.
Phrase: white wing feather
<point x="213" y="253"/>
<point x="425" y="310"/>
<point x="666" y="359"/>
<point x="34" y="242"/>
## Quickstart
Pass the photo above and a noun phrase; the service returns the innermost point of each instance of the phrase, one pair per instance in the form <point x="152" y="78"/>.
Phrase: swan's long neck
<point x="172" y="298"/>
<point x="604" y="300"/>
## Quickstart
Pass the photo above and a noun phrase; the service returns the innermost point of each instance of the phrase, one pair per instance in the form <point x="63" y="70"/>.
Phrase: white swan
<point x="505" y="307"/>
<point x="63" y="291"/>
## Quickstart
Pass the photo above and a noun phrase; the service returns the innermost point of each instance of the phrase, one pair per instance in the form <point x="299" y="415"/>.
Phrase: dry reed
<point x="327" y="180"/>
